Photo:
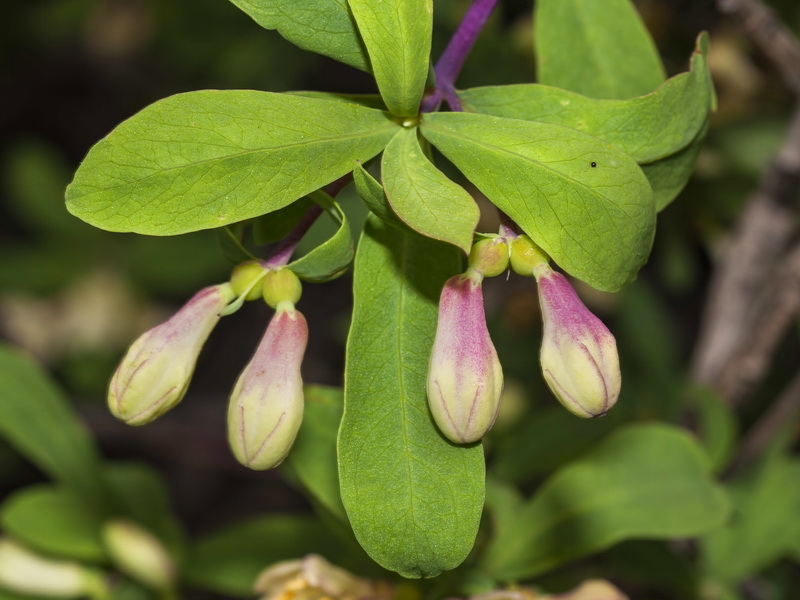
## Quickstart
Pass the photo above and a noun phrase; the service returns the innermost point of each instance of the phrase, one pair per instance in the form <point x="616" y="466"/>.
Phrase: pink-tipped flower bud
<point x="266" y="406"/>
<point x="579" y="354"/>
<point x="155" y="373"/>
<point x="465" y="379"/>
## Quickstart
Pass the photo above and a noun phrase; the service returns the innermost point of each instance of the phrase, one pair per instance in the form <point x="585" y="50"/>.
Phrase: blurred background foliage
<point x="74" y="297"/>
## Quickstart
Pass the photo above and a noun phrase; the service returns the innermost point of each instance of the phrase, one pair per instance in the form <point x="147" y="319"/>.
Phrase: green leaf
<point x="313" y="455"/>
<point x="545" y="441"/>
<point x="598" y="48"/>
<point x="331" y="258"/>
<point x="766" y="505"/>
<point x="371" y="192"/>
<point x="717" y="427"/>
<point x="323" y="26"/>
<point x="231" y="239"/>
<point x="398" y="39"/>
<point x="41" y="425"/>
<point x="276" y="225"/>
<point x="597" y="222"/>
<point x="205" y="159"/>
<point x="413" y="498"/>
<point x="423" y="197"/>
<point x="229" y="561"/>
<point x="368" y="100"/>
<point x="670" y="175"/>
<point x="646" y="481"/>
<point x="54" y="521"/>
<point x="647" y="127"/>
<point x="142" y="496"/>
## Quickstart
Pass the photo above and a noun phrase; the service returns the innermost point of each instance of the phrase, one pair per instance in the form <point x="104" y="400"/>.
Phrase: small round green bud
<point x="489" y="256"/>
<point x="246" y="275"/>
<point x="527" y="256"/>
<point x="281" y="285"/>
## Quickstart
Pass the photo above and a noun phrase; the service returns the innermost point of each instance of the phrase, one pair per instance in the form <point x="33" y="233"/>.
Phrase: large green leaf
<point x="229" y="561"/>
<point x="398" y="39"/>
<point x="646" y="482"/>
<point x="372" y="193"/>
<point x="324" y="26"/>
<point x="205" y="159"/>
<point x="766" y="505"/>
<point x="670" y="175"/>
<point x="413" y="498"/>
<point x="38" y="422"/>
<point x="647" y="127"/>
<point x="584" y="201"/>
<point x="331" y="258"/>
<point x="54" y="521"/>
<point x="598" y="48"/>
<point x="423" y="197"/>
<point x="313" y="455"/>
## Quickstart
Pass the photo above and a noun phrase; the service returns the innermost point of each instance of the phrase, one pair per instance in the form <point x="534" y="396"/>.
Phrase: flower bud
<point x="28" y="573"/>
<point x="266" y="406"/>
<point x="465" y="379"/>
<point x="247" y="275"/>
<point x="155" y="373"/>
<point x="281" y="285"/>
<point x="579" y="355"/>
<point x="139" y="554"/>
<point x="526" y="256"/>
<point x="489" y="256"/>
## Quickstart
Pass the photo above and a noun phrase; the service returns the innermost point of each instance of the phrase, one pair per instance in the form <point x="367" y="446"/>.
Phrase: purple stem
<point x="286" y="247"/>
<point x="449" y="64"/>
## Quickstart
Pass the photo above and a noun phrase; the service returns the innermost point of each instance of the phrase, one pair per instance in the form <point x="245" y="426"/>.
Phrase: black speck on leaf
<point x="594" y="164"/>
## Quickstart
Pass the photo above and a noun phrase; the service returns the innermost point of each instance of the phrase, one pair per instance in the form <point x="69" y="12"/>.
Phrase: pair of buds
<point x="578" y="356"/>
<point x="266" y="406"/>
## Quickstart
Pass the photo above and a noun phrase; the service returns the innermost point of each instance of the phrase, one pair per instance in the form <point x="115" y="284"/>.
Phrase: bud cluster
<point x="266" y="405"/>
<point x="578" y="356"/>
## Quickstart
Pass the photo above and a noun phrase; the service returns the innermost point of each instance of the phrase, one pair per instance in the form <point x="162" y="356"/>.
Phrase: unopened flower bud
<point x="465" y="379"/>
<point x="281" y="285"/>
<point x="139" y="554"/>
<point x="155" y="373"/>
<point x="526" y="256"/>
<point x="266" y="406"/>
<point x="489" y="256"/>
<point x="25" y="572"/>
<point x="247" y="276"/>
<point x="579" y="354"/>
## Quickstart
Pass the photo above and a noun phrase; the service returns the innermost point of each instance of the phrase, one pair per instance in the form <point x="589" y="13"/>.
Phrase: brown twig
<point x="737" y="307"/>
<point x="783" y="411"/>
<point x="776" y="308"/>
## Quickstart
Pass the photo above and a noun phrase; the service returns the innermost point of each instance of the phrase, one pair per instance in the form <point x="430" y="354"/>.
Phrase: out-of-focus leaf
<point x="141" y="495"/>
<point x="53" y="521"/>
<point x="276" y="225"/>
<point x="229" y="561"/>
<point x="763" y="527"/>
<point x="598" y="48"/>
<point x="546" y="441"/>
<point x="313" y="455"/>
<point x="717" y="427"/>
<point x="645" y="481"/>
<point x="38" y="422"/>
